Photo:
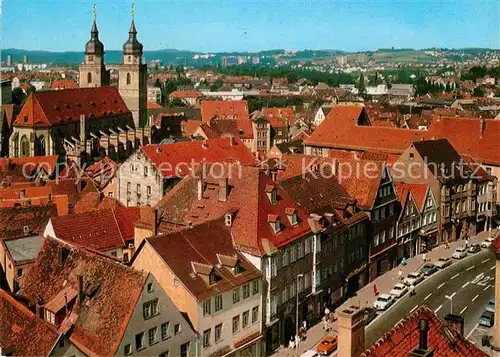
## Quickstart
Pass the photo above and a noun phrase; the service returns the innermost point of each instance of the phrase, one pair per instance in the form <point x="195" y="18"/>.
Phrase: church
<point x="95" y="119"/>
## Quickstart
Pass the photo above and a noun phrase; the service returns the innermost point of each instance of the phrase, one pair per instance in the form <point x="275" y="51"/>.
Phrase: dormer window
<point x="292" y="216"/>
<point x="228" y="218"/>
<point x="238" y="268"/>
<point x="212" y="278"/>
<point x="272" y="194"/>
<point x="274" y="221"/>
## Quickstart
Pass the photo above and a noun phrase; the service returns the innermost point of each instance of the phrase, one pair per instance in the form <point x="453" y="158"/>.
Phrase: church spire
<point x="94" y="46"/>
<point x="132" y="46"/>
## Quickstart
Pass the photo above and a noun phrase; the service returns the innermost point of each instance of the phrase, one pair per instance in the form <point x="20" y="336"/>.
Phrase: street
<point x="469" y="282"/>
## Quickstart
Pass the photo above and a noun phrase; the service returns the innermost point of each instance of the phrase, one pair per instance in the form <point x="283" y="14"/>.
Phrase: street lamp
<point x="297" y="315"/>
<point x="451" y="302"/>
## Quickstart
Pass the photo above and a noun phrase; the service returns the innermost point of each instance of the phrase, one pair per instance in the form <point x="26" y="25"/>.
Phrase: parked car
<point x="370" y="314"/>
<point x="399" y="290"/>
<point x="443" y="262"/>
<point x="428" y="269"/>
<point x="310" y="353"/>
<point x="487" y="242"/>
<point x="384" y="301"/>
<point x="487" y="319"/>
<point x="474" y="248"/>
<point x="459" y="253"/>
<point x="491" y="305"/>
<point x="413" y="278"/>
<point x="327" y="345"/>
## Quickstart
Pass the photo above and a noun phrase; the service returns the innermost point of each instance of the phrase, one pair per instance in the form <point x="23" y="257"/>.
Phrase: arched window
<point x="16" y="147"/>
<point x="25" y="146"/>
<point x="40" y="146"/>
<point x="89" y="78"/>
<point x="128" y="78"/>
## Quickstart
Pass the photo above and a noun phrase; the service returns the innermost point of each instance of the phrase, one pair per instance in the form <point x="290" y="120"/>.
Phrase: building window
<point x="89" y="78"/>
<point x="164" y="354"/>
<point x="292" y="253"/>
<point x="246" y="290"/>
<point x="255" y="314"/>
<point x="206" y="307"/>
<point x="246" y="314"/>
<point x="236" y="324"/>
<point x="177" y="329"/>
<point x="128" y="186"/>
<point x="139" y="188"/>
<point x="152" y="336"/>
<point x="286" y="255"/>
<point x="376" y="240"/>
<point x="150" y="309"/>
<point x="218" y="302"/>
<point x="129" y="77"/>
<point x="150" y="288"/>
<point x="19" y="272"/>
<point x="145" y="170"/>
<point x="255" y="287"/>
<point x="218" y="332"/>
<point x="307" y="281"/>
<point x="165" y="330"/>
<point x="139" y="341"/>
<point x="127" y="350"/>
<point x="300" y="249"/>
<point x="25" y="146"/>
<point x="206" y="338"/>
<point x="236" y="295"/>
<point x="274" y="269"/>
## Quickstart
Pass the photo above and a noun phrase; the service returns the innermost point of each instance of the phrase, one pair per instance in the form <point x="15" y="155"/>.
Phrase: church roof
<point x="49" y="108"/>
<point x="132" y="46"/>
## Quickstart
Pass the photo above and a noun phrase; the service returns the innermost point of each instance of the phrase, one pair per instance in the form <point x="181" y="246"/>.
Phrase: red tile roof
<point x="47" y="108"/>
<point x="23" y="333"/>
<point x="417" y="191"/>
<point x="196" y="246"/>
<point x="341" y="130"/>
<point x="215" y="128"/>
<point x="8" y="109"/>
<point x="17" y="169"/>
<point x="64" y="84"/>
<point x="181" y="155"/>
<point x="184" y="94"/>
<point x="224" y="109"/>
<point x="35" y="217"/>
<point x="152" y="105"/>
<point x="404" y="337"/>
<point x="279" y="117"/>
<point x="101" y="230"/>
<point x="247" y="197"/>
<point x="101" y="320"/>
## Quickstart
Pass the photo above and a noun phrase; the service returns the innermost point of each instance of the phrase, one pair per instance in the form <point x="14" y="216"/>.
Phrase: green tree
<point x="292" y="77"/>
<point x="216" y="85"/>
<point x="478" y="92"/>
<point x="176" y="102"/>
<point x="18" y="96"/>
<point x="361" y="85"/>
<point x="157" y="83"/>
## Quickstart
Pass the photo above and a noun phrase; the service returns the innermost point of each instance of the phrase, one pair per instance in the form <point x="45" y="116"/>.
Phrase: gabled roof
<point x="279" y="117"/>
<point x="23" y="333"/>
<point x="22" y="169"/>
<point x="102" y="230"/>
<point x="247" y="197"/>
<point x="197" y="247"/>
<point x="185" y="94"/>
<point x="167" y="157"/>
<point x="216" y="128"/>
<point x="23" y="249"/>
<point x="101" y="318"/>
<point x="48" y="108"/>
<point x="417" y="191"/>
<point x="404" y="338"/>
<point x="13" y="220"/>
<point x="64" y="84"/>
<point x="224" y="109"/>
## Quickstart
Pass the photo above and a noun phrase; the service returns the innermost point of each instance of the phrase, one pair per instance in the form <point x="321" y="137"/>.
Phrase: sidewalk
<point x="365" y="297"/>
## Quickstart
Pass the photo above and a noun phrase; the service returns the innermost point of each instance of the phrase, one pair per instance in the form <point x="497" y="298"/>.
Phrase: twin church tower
<point x="132" y="82"/>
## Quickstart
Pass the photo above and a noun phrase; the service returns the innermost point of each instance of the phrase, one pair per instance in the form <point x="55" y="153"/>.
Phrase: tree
<point x="292" y="77"/>
<point x="18" y="96"/>
<point x="157" y="83"/>
<point x="361" y="84"/>
<point x="216" y="85"/>
<point x="176" y="102"/>
<point x="478" y="92"/>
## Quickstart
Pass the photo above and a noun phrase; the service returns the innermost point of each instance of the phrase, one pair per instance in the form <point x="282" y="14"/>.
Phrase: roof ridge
<point x="117" y="225"/>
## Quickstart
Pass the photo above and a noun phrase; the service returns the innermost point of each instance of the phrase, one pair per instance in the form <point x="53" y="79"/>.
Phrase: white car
<point x="459" y="253"/>
<point x="383" y="301"/>
<point x="443" y="262"/>
<point x="399" y="290"/>
<point x="413" y="278"/>
<point x="487" y="242"/>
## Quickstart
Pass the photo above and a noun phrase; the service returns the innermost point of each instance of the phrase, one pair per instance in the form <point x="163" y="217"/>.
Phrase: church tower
<point x="93" y="72"/>
<point x="132" y="82"/>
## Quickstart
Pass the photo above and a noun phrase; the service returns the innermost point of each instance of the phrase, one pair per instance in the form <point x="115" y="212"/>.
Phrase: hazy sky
<point x="237" y="25"/>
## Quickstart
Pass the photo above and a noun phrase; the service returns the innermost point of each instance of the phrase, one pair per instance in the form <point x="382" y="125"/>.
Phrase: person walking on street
<point x="400" y="274"/>
<point x="466" y="242"/>
<point x="424" y="257"/>
<point x="325" y="323"/>
<point x="375" y="291"/>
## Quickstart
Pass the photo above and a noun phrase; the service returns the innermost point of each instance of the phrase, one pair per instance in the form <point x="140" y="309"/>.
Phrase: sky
<point x="253" y="25"/>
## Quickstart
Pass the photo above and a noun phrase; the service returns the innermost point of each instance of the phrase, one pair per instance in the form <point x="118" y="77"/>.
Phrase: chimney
<point x="82" y="129"/>
<point x="80" y="288"/>
<point x="231" y="140"/>
<point x="39" y="307"/>
<point x="456" y="322"/>
<point x="223" y="189"/>
<point x="351" y="332"/>
<point x="22" y="194"/>
<point x="482" y="127"/>
<point x="423" y="348"/>
<point x="205" y="144"/>
<point x="201" y="186"/>
<point x="70" y="208"/>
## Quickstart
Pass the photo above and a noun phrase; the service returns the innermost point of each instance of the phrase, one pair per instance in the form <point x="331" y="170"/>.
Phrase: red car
<point x="327" y="345"/>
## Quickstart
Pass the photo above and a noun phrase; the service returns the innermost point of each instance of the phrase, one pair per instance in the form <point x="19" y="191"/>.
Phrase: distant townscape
<point x="174" y="203"/>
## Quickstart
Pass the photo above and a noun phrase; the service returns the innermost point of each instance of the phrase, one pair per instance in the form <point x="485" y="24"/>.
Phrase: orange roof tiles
<point x="181" y="155"/>
<point x="47" y="108"/>
<point x="279" y="117"/>
<point x="224" y="109"/>
<point x="215" y="128"/>
<point x="64" y="84"/>
<point x="152" y="105"/>
<point x="418" y="192"/>
<point x="404" y="337"/>
<point x="184" y="94"/>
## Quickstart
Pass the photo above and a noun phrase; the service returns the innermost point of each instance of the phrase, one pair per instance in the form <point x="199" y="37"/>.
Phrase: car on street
<point x="399" y="290"/>
<point x="384" y="301"/>
<point x="443" y="262"/>
<point x="487" y="242"/>
<point x="370" y="314"/>
<point x="310" y="353"/>
<point x="487" y="319"/>
<point x="413" y="278"/>
<point x="474" y="248"/>
<point x="428" y="269"/>
<point x="459" y="253"/>
<point x="491" y="305"/>
<point x="327" y="345"/>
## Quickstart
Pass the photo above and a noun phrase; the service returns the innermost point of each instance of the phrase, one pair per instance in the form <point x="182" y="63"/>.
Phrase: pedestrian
<point x="424" y="257"/>
<point x="332" y="317"/>
<point x="400" y="274"/>
<point x="447" y="245"/>
<point x="304" y="325"/>
<point x="327" y="311"/>
<point x="375" y="291"/>
<point x="325" y="323"/>
<point x="466" y="242"/>
<point x="412" y="290"/>
<point x="403" y="261"/>
<point x="292" y="343"/>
